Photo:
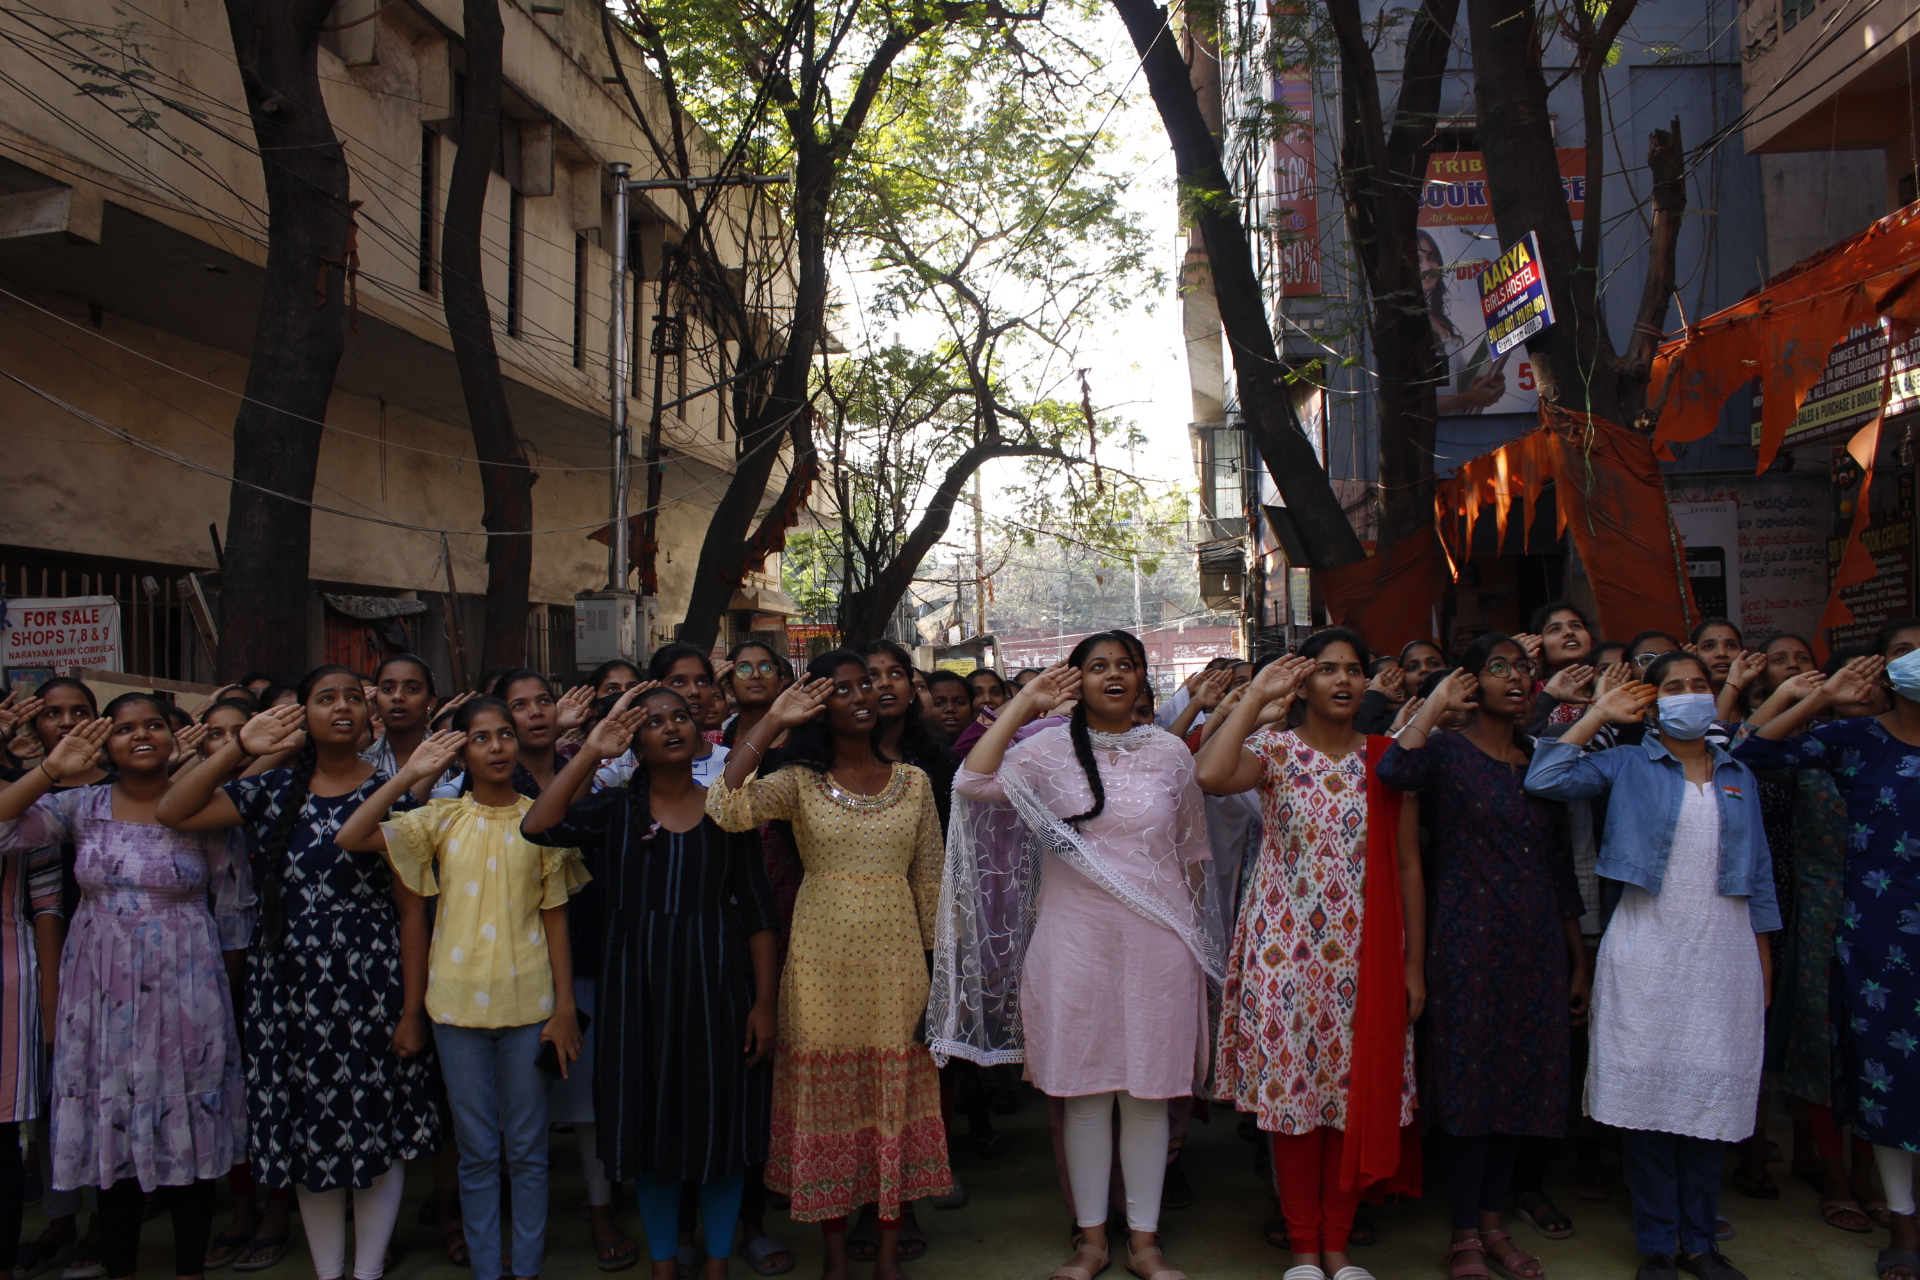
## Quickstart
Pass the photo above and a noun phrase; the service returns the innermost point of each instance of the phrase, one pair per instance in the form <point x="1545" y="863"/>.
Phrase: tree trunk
<point x="1259" y="373"/>
<point x="864" y="613"/>
<point x="264" y="588"/>
<point x="1573" y="362"/>
<point x="1385" y="165"/>
<point x="505" y="478"/>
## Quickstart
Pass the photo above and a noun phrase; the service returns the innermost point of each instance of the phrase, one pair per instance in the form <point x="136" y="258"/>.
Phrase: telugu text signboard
<point x="81" y="631"/>
<point x="1513" y="296"/>
<point x="1457" y="241"/>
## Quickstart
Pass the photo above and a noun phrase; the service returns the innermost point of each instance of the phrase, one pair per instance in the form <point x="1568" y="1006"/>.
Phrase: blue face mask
<point x="1686" y="715"/>
<point x="1903" y="673"/>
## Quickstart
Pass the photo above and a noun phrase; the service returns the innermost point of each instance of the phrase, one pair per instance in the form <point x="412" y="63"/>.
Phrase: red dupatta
<point x="1377" y="1153"/>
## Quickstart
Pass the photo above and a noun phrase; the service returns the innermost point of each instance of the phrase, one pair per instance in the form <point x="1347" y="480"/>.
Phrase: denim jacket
<point x="1648" y="783"/>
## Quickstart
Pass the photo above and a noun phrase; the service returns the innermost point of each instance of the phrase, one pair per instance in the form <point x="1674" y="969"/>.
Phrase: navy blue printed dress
<point x="1876" y="1062"/>
<point x="329" y="1103"/>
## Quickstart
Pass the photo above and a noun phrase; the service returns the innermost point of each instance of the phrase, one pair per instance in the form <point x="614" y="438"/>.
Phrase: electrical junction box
<point x="606" y="626"/>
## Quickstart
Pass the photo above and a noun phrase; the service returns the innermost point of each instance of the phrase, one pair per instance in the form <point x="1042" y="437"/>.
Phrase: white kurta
<point x="1678" y="1000"/>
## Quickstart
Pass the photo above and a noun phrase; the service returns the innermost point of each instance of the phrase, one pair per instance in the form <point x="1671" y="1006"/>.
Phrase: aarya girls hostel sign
<point x="1513" y="296"/>
<point x="81" y="631"/>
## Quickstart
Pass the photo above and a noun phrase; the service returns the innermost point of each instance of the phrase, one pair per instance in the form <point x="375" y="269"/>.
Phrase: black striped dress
<point x="673" y="1095"/>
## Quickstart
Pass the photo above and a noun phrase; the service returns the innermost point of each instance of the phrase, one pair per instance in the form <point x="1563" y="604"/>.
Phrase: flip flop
<point x="913" y="1241"/>
<point x="1832" y="1209"/>
<point x="1275" y="1230"/>
<point x="612" y="1259"/>
<point x="223" y="1249"/>
<point x="863" y="1237"/>
<point x="273" y="1247"/>
<point x="686" y="1262"/>
<point x="1760" y="1188"/>
<point x="36" y="1256"/>
<point x="757" y="1250"/>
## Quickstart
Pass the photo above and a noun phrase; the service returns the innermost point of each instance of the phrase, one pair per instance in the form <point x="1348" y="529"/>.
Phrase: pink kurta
<point x="1109" y="999"/>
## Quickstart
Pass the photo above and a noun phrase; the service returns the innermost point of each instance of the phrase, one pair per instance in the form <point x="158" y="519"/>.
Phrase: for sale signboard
<point x="79" y="631"/>
<point x="1513" y="296"/>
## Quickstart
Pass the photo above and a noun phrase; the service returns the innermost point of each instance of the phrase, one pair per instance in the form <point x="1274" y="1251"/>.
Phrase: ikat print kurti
<point x="1876" y="1068"/>
<point x="856" y="1098"/>
<point x="1286" y="1022"/>
<point x="331" y="1104"/>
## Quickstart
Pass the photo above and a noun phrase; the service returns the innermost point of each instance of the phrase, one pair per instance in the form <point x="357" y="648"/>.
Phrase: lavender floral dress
<point x="146" y="1062"/>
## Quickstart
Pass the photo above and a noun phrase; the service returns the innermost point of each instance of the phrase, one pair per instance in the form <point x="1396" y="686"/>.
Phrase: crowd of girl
<point x="1548" y="890"/>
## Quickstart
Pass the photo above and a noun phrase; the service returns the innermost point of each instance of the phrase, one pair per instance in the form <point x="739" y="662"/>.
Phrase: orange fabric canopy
<point x="1783" y="333"/>
<point x="1607" y="489"/>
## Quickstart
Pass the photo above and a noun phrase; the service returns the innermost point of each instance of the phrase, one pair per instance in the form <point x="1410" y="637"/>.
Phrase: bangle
<point x="749" y="746"/>
<point x="43" y="768"/>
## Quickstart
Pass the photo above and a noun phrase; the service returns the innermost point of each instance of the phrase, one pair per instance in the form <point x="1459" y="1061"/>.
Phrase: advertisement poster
<point x="1848" y="393"/>
<point x="1888" y="594"/>
<point x="1778" y="564"/>
<point x="1296" y="206"/>
<point x="80" y="631"/>
<point x="1514" y="303"/>
<point x="1457" y="242"/>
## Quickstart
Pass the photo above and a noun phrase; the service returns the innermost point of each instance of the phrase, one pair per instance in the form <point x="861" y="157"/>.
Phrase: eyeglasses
<point x="1509" y="666"/>
<point x="766" y="668"/>
<point x="1644" y="660"/>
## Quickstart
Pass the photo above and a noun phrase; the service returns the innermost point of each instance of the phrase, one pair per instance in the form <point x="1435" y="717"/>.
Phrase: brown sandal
<point x="453" y="1238"/>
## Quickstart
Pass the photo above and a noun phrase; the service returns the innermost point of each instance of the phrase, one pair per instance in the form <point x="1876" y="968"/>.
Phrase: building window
<point x="516" y="258"/>
<point x="429" y="192"/>
<point x="580" y="301"/>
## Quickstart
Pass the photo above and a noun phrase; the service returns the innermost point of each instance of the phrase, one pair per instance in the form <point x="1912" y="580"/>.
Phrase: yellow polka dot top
<point x="488" y="966"/>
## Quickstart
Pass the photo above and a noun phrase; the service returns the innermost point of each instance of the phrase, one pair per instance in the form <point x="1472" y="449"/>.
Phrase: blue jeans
<point x="1675" y="1183"/>
<point x="499" y="1101"/>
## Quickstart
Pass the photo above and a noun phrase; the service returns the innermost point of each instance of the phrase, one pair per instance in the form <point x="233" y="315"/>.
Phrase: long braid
<point x="273" y="851"/>
<point x="640" y="801"/>
<point x="1083" y="752"/>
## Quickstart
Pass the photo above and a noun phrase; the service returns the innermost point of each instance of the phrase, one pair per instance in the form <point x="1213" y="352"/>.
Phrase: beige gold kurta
<point x="856" y="1099"/>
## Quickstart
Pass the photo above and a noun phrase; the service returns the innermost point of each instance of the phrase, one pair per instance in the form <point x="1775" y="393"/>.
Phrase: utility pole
<point x="620" y="375"/>
<point x="1139" y="618"/>
<point x="979" y="566"/>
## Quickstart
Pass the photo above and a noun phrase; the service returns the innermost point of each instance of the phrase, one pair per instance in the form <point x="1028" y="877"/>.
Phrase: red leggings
<point x="1826" y="1136"/>
<point x="838" y="1226"/>
<point x="1319" y="1213"/>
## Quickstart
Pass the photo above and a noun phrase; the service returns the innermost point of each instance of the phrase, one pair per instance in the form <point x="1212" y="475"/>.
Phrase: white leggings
<point x="1088" y="1141"/>
<point x="599" y="1186"/>
<point x="1896" y="1175"/>
<point x="323" y="1215"/>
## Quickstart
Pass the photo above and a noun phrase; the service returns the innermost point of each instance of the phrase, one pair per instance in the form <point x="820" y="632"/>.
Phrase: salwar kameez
<point x="856" y="1098"/>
